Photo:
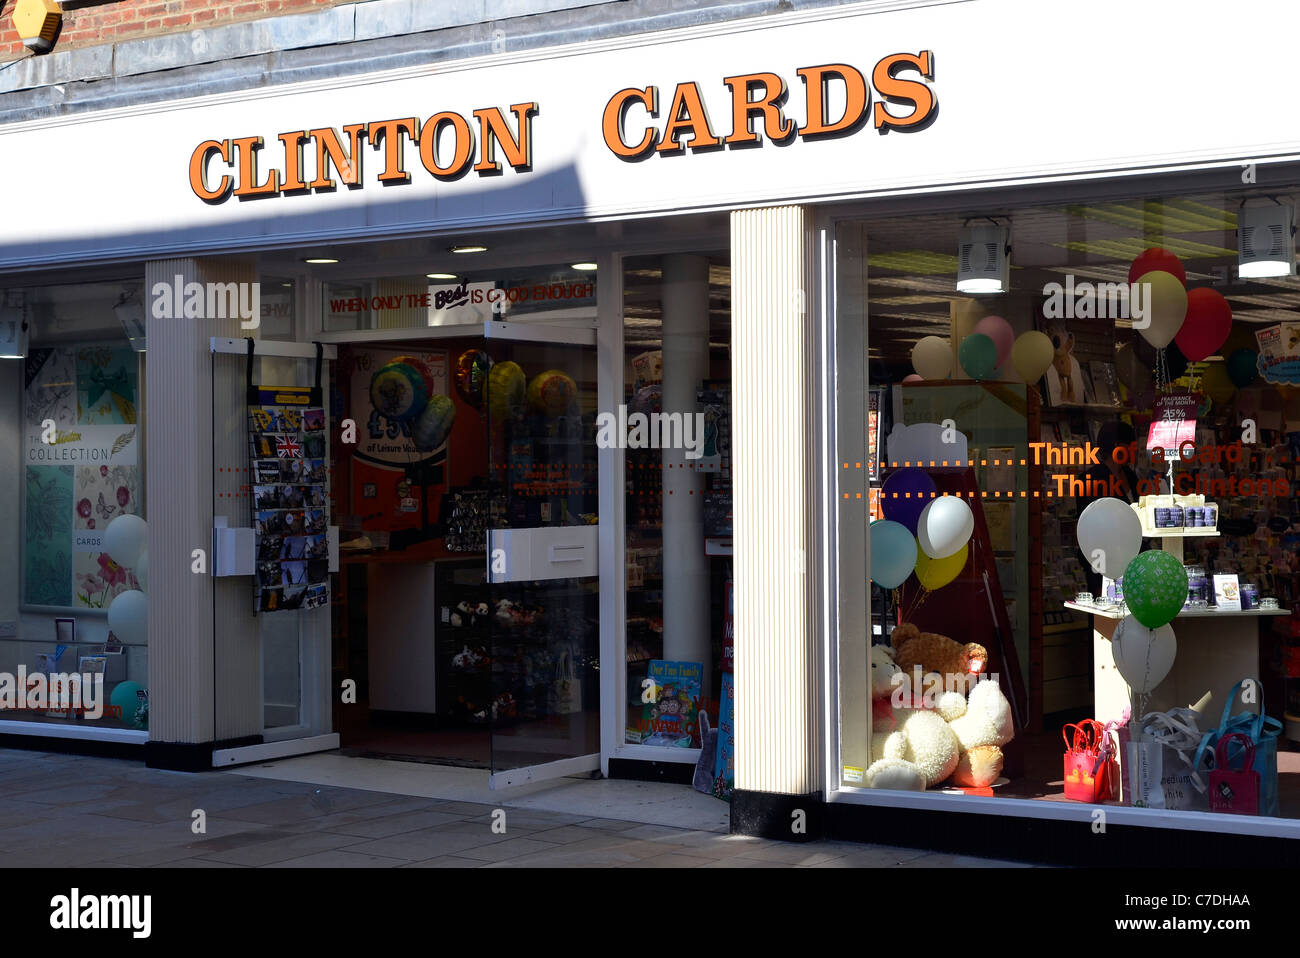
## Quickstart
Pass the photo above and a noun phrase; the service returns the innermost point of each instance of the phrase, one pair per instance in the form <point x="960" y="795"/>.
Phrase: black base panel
<point x="1055" y="841"/>
<point x="676" y="773"/>
<point x="73" y="746"/>
<point x="179" y="756"/>
<point x="777" y="817"/>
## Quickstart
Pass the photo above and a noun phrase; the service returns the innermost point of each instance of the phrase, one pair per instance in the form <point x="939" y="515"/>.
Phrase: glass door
<point x="541" y="436"/>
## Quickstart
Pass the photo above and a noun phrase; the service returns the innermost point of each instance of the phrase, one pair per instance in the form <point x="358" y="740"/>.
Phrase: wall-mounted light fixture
<point x="130" y="313"/>
<point x="36" y="22"/>
<point x="984" y="259"/>
<point x="1266" y="241"/>
<point x="13" y="332"/>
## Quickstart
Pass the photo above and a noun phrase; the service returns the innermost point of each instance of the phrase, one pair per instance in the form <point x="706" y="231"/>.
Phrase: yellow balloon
<point x="936" y="573"/>
<point x="1166" y="304"/>
<point x="1031" y="354"/>
<point x="932" y="358"/>
<point x="1216" y="383"/>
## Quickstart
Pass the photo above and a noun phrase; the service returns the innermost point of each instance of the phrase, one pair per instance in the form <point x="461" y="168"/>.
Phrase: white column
<point x="777" y="663"/>
<point x="181" y="479"/>
<point x="685" y="366"/>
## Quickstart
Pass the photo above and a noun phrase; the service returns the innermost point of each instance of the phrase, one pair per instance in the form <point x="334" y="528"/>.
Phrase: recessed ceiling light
<point x="469" y="249"/>
<point x="586" y="267"/>
<point x="319" y="260"/>
<point x="440" y="275"/>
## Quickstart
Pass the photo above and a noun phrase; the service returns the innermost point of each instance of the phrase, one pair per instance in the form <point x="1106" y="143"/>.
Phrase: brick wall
<point x="109" y="22"/>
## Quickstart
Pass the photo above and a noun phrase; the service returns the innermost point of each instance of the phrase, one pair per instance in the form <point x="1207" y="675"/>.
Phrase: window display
<point x="1081" y="542"/>
<point x="75" y="595"/>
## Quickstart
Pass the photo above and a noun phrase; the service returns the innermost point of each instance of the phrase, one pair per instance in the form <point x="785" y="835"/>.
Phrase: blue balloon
<point x="893" y="553"/>
<point x="904" y="494"/>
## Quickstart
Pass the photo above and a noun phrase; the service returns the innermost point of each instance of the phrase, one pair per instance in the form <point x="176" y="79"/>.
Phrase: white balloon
<point x="128" y="617"/>
<point x="932" y="358"/>
<point x="1143" y="657"/>
<point x="141" y="571"/>
<point x="125" y="538"/>
<point x="1110" y="536"/>
<point x="945" y="526"/>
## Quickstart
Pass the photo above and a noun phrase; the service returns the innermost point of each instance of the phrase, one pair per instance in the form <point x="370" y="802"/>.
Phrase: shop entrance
<point x="466" y="610"/>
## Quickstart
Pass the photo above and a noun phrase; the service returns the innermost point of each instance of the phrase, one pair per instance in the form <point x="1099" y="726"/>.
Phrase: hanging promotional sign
<point x="1279" y="353"/>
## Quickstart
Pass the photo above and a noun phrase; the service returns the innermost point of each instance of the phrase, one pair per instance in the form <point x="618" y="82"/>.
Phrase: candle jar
<point x="1249" y="596"/>
<point x="1198" y="588"/>
<point x="1083" y="598"/>
<point x="1268" y="604"/>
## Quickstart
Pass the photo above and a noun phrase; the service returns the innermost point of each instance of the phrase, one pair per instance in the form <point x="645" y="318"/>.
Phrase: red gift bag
<point x="1090" y="771"/>
<point x="1235" y="791"/>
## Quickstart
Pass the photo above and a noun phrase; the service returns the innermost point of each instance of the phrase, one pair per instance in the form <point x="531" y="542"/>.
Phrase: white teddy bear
<point x="958" y="739"/>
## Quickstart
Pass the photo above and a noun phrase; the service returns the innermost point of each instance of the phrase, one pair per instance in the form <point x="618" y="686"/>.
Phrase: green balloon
<point x="1155" y="588"/>
<point x="1243" y="367"/>
<point x="979" y="356"/>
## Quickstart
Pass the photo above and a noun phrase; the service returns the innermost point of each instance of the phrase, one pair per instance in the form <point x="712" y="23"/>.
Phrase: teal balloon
<point x="124" y="698"/>
<point x="979" y="356"/>
<point x="893" y="553"/>
<point x="1155" y="588"/>
<point x="1243" y="367"/>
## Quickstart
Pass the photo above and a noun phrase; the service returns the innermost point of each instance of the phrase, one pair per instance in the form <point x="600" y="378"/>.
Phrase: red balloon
<point x="1208" y="322"/>
<point x="1157" y="258"/>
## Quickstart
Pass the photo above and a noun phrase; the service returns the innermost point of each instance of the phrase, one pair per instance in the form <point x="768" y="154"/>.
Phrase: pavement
<point x="71" y="811"/>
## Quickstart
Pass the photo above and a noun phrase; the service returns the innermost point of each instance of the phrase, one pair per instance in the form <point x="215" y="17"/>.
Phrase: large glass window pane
<point x="675" y="427"/>
<point x="1009" y="449"/>
<point x="72" y="451"/>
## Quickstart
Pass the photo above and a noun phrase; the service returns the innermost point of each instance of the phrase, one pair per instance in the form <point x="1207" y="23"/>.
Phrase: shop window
<point x="1010" y="482"/>
<point x="675" y="428"/>
<point x="73" y="449"/>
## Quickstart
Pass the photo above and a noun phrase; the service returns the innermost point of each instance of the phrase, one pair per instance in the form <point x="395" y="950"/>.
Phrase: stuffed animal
<point x="936" y="653"/>
<point x="912" y="748"/>
<point x="984" y="726"/>
<point x="957" y="739"/>
<point x="1064" y="376"/>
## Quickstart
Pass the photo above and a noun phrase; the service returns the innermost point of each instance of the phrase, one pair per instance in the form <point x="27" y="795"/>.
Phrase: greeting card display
<point x="290" y="505"/>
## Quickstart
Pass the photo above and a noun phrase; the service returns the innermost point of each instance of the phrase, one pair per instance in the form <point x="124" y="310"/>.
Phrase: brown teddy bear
<point x="936" y="653"/>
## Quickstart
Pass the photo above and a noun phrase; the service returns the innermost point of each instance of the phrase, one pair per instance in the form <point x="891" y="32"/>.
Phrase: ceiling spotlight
<point x="468" y="249"/>
<point x="440" y="275"/>
<point x="1266" y="241"/>
<point x="320" y="260"/>
<point x="585" y="267"/>
<point x="983" y="259"/>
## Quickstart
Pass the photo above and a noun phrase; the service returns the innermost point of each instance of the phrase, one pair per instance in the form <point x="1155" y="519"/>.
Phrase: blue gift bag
<point x="1260" y="729"/>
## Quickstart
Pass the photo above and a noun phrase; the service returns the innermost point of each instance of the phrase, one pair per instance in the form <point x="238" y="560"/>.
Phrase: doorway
<point x="466" y="615"/>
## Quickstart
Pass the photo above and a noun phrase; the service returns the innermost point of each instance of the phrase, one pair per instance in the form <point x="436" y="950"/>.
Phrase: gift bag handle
<point x="1248" y="752"/>
<point x="1257" y="721"/>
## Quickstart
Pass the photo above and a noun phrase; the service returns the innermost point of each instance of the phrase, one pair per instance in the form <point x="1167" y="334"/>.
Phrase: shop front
<point x="558" y="368"/>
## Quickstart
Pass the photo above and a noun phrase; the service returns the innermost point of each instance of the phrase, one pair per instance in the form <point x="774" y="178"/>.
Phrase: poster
<point x="1279" y="353"/>
<point x="874" y="398"/>
<point x="671" y="717"/>
<point x="1173" y="423"/>
<point x="385" y="487"/>
<point x="289" y="472"/>
<point x="81" y="470"/>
